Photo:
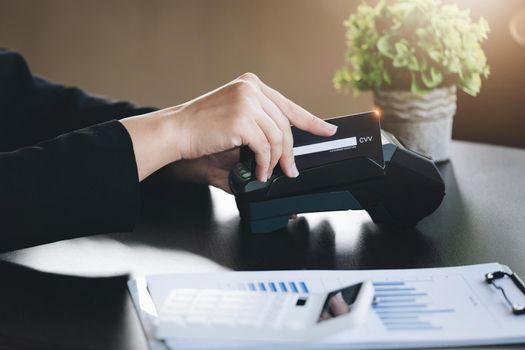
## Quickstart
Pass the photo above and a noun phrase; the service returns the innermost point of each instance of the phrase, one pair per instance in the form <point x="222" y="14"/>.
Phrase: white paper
<point x="417" y="308"/>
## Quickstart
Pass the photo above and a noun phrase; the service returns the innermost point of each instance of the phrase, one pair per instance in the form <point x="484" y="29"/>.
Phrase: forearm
<point x="154" y="137"/>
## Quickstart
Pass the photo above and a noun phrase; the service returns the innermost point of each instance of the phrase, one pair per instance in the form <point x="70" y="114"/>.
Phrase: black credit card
<point x="358" y="135"/>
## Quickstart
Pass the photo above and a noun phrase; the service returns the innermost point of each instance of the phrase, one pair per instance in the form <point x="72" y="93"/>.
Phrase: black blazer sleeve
<point x="66" y="168"/>
<point x="33" y="109"/>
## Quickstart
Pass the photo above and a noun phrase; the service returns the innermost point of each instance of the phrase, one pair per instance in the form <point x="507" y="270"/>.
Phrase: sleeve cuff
<point x="123" y="182"/>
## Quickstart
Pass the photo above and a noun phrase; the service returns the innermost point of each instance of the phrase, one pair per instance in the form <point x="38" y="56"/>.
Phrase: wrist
<point x="154" y="139"/>
<point x="175" y="129"/>
<point x="169" y="131"/>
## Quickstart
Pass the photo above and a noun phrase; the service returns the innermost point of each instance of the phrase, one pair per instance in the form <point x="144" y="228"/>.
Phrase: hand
<point x="245" y="112"/>
<point x="337" y="306"/>
<point x="212" y="170"/>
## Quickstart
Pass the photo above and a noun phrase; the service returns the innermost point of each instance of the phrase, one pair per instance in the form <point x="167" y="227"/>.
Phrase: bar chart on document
<point x="417" y="304"/>
<point x="412" y="308"/>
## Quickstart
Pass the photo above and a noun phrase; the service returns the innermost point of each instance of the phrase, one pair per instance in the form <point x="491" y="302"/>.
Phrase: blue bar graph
<point x="398" y="317"/>
<point x="407" y="294"/>
<point x="386" y="283"/>
<point x="398" y="300"/>
<point x="414" y="311"/>
<point x="406" y="323"/>
<point x="395" y="289"/>
<point x="399" y="306"/>
<point x="402" y="306"/>
<point x="279" y="286"/>
<point x="413" y="328"/>
<point x="304" y="287"/>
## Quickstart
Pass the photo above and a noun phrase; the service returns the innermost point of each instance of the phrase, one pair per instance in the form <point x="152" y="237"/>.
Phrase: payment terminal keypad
<point x="243" y="171"/>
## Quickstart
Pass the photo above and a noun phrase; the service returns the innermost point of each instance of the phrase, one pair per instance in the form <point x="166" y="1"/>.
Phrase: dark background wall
<point x="497" y="114"/>
<point x="163" y="52"/>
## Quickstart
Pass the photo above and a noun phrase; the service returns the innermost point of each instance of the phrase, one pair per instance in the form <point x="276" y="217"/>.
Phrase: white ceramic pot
<point x="423" y="123"/>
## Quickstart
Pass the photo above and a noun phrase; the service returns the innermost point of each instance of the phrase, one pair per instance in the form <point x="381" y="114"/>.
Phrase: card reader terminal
<point x="361" y="167"/>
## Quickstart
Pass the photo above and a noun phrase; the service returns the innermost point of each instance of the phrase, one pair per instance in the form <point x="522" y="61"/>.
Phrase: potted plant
<point x="413" y="54"/>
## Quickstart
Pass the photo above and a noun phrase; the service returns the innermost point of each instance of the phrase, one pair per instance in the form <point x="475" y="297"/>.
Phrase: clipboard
<point x="492" y="277"/>
<point x="416" y="308"/>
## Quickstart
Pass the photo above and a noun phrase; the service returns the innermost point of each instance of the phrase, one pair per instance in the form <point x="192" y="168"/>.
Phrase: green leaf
<point x="413" y="64"/>
<point x="425" y="38"/>
<point x="414" y="87"/>
<point x="472" y="84"/>
<point x="401" y="48"/>
<point x="386" y="77"/>
<point x="435" y="55"/>
<point x="384" y="46"/>
<point x="433" y="79"/>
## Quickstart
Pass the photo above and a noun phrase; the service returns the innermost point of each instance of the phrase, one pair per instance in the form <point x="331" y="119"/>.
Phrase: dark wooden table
<point x="190" y="229"/>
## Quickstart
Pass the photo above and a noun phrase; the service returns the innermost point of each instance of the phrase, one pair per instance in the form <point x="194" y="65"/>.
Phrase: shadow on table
<point x="438" y="240"/>
<point x="48" y="311"/>
<point x="186" y="219"/>
<point x="297" y="247"/>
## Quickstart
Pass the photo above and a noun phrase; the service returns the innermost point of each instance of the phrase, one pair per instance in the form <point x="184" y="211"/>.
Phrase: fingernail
<point x="331" y="127"/>
<point x="264" y="178"/>
<point x="295" y="172"/>
<point x="270" y="174"/>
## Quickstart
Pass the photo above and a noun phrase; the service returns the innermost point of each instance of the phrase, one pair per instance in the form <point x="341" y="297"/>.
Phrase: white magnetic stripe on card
<point x="324" y="146"/>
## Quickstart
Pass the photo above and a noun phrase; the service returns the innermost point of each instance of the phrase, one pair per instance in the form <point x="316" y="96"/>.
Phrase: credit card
<point x="358" y="135"/>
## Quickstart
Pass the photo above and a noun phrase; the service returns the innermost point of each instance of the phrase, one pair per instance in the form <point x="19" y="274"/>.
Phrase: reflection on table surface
<point x="195" y="228"/>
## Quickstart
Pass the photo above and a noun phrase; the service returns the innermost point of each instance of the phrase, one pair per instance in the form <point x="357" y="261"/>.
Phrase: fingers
<point x="274" y="123"/>
<point x="297" y="115"/>
<point x="286" y="158"/>
<point x="221" y="181"/>
<point x="274" y="135"/>
<point x="256" y="140"/>
<point x="338" y="305"/>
